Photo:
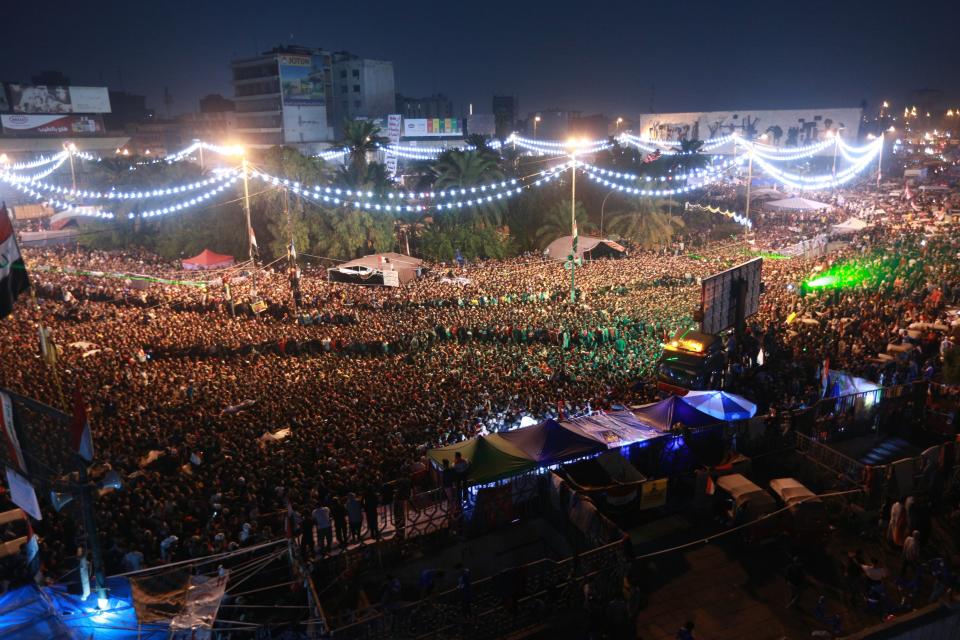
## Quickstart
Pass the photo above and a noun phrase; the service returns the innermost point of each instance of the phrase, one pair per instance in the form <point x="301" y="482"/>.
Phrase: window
<point x="343" y="73"/>
<point x="356" y="73"/>
<point x="356" y="88"/>
<point x="343" y="88"/>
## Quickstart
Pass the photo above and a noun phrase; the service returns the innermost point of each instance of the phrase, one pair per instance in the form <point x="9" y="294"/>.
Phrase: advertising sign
<point x="432" y="127"/>
<point x="51" y="125"/>
<point x="782" y="127"/>
<point x="394" y="127"/>
<point x="300" y="83"/>
<point x="58" y="99"/>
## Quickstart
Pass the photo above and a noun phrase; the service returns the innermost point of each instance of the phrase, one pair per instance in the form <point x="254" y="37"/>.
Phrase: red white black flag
<point x="80" y="437"/>
<point x="13" y="275"/>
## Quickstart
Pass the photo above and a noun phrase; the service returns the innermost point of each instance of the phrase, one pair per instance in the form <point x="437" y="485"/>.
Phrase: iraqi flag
<point x="80" y="438"/>
<point x="13" y="274"/>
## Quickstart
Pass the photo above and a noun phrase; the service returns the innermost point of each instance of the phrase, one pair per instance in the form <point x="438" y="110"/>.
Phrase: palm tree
<point x="645" y="228"/>
<point x="457" y="169"/>
<point x="555" y="223"/>
<point x="362" y="137"/>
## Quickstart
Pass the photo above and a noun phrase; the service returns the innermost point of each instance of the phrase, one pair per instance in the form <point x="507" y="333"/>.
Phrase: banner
<point x="22" y="494"/>
<point x="432" y="127"/>
<point x="653" y="493"/>
<point x="26" y="98"/>
<point x="51" y="125"/>
<point x="301" y="84"/>
<point x="394" y="127"/>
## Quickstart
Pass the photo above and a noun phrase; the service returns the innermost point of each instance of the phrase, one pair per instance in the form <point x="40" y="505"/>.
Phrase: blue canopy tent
<point x="720" y="405"/>
<point x="551" y="442"/>
<point x="664" y="414"/>
<point x="612" y="430"/>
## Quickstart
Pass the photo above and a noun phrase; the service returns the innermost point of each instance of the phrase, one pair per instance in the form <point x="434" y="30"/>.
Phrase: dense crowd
<point x="218" y="417"/>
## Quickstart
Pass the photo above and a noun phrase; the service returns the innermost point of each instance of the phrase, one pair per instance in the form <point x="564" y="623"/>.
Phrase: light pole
<point x="572" y="259"/>
<point x="602" y="205"/>
<point x="619" y="122"/>
<point x="69" y="147"/>
<point x="749" y="183"/>
<point x="536" y="121"/>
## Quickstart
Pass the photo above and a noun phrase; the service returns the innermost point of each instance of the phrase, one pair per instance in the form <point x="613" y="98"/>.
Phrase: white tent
<point x="767" y="194"/>
<point x="797" y="204"/>
<point x="850" y="225"/>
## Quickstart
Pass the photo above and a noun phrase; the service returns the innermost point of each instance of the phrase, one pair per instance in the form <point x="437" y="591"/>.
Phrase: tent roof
<point x="851" y="224"/>
<point x="372" y="261"/>
<point x="615" y="429"/>
<point x="491" y="458"/>
<point x="550" y="442"/>
<point x="766" y="193"/>
<point x="720" y="405"/>
<point x="797" y="204"/>
<point x="841" y="383"/>
<point x="559" y="249"/>
<point x="208" y="258"/>
<point x="664" y="414"/>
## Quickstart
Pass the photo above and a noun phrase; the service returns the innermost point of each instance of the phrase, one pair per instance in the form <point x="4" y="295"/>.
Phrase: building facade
<point x="437" y="106"/>
<point x="300" y="96"/>
<point x="362" y="89"/>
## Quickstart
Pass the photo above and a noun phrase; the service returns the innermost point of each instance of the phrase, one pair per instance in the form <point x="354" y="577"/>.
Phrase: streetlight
<point x="573" y="145"/>
<point x="619" y="122"/>
<point x="602" y="205"/>
<point x="536" y="121"/>
<point x="71" y="148"/>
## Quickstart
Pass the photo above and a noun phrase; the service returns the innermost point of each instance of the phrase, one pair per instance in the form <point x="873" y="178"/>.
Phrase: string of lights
<point x="678" y="177"/>
<point x="648" y="192"/>
<point x="33" y="164"/>
<point x="742" y="220"/>
<point x="133" y="195"/>
<point x="827" y="181"/>
<point x="13" y="178"/>
<point x="61" y="204"/>
<point x="186" y="204"/>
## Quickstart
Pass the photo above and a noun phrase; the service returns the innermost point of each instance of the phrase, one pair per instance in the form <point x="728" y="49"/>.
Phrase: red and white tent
<point x="207" y="259"/>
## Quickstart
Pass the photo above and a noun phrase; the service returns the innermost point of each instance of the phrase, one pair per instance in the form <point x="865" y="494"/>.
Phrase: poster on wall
<point x="44" y="125"/>
<point x="394" y="127"/>
<point x="300" y="83"/>
<point x="779" y="127"/>
<point x="432" y="127"/>
<point x="58" y="99"/>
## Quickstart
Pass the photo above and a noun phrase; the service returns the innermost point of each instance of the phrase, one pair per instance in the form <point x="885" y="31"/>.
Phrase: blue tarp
<point x="550" y="442"/>
<point x="27" y="614"/>
<point x="664" y="414"/>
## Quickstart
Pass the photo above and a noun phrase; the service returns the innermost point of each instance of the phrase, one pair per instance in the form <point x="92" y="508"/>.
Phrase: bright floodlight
<point x="4" y="159"/>
<point x="234" y="150"/>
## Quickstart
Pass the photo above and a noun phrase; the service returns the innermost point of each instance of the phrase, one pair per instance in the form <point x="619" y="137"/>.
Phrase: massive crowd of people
<point x="217" y="417"/>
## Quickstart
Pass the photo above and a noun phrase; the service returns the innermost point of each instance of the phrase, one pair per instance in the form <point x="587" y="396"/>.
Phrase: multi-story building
<point x="438" y="106"/>
<point x="282" y="97"/>
<point x="505" y="115"/>
<point x="300" y="96"/>
<point x="362" y="89"/>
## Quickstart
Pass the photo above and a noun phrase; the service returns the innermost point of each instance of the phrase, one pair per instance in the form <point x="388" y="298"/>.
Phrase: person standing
<point x="306" y="534"/>
<point x="461" y="467"/>
<point x="911" y="553"/>
<point x="321" y="517"/>
<point x="371" y="504"/>
<point x="339" y="514"/>
<point x="355" y="517"/>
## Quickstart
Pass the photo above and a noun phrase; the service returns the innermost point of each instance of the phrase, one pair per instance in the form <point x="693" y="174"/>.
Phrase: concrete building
<point x="437" y="106"/>
<point x="505" y="115"/>
<point x="282" y="96"/>
<point x="299" y="96"/>
<point x="362" y="88"/>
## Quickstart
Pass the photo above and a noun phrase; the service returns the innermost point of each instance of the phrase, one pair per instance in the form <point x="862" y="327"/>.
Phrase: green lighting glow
<point x="842" y="276"/>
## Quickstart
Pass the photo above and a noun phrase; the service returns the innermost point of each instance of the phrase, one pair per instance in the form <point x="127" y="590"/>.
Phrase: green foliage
<point x="555" y="223"/>
<point x="648" y="227"/>
<point x="441" y="243"/>
<point x="458" y="169"/>
<point x="362" y="137"/>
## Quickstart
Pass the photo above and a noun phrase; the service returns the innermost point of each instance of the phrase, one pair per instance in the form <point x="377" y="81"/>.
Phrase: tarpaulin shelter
<point x="796" y="204"/>
<point x="491" y="458"/>
<point x="850" y="225"/>
<point x="550" y="442"/>
<point x="588" y="248"/>
<point x="720" y="405"/>
<point x="207" y="259"/>
<point x="381" y="269"/>
<point x="664" y="414"/>
<point x="841" y="383"/>
<point x="615" y="429"/>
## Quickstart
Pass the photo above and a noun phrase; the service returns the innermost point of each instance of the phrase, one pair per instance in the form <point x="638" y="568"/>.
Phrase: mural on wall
<point x="782" y="127"/>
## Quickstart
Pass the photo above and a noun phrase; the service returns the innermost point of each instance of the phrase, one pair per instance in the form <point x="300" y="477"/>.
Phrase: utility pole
<point x="749" y="183"/>
<point x="90" y="528"/>
<point x="880" y="159"/>
<point x="246" y="210"/>
<point x="200" y="148"/>
<point x="69" y="147"/>
<point x="573" y="228"/>
<point x="291" y="255"/>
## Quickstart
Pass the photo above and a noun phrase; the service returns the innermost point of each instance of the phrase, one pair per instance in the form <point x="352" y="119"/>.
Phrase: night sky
<point x="595" y="57"/>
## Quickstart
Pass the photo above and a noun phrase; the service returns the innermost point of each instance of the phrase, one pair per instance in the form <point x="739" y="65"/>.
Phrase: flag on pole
<point x="576" y="236"/>
<point x="48" y="350"/>
<point x="253" y="240"/>
<point x="906" y="191"/>
<point x="80" y="438"/>
<point x="13" y="273"/>
<point x="22" y="492"/>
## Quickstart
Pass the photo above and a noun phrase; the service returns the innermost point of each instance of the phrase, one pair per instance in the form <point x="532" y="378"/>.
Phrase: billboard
<point x="720" y="293"/>
<point x="43" y="125"/>
<point x="26" y="98"/>
<point x="783" y="127"/>
<point x="301" y="83"/>
<point x="432" y="127"/>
